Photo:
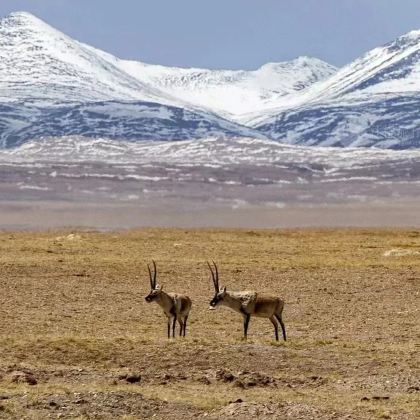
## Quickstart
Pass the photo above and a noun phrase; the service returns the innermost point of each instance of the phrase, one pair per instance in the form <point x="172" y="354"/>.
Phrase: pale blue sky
<point x="228" y="33"/>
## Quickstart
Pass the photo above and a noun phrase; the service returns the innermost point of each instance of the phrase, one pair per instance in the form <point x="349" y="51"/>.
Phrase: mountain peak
<point x="305" y="59"/>
<point x="301" y="61"/>
<point x="403" y="42"/>
<point x="20" y="26"/>
<point x="22" y="18"/>
<point x="415" y="34"/>
<point x="21" y="14"/>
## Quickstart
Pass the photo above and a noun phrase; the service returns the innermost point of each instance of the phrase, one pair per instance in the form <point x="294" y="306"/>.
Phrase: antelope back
<point x="267" y="306"/>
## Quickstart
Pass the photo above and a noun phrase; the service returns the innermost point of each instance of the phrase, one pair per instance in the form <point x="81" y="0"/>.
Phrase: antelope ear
<point x="224" y="289"/>
<point x="160" y="286"/>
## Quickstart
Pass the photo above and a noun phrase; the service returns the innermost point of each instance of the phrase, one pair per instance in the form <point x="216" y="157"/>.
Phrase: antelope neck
<point x="232" y="301"/>
<point x="164" y="300"/>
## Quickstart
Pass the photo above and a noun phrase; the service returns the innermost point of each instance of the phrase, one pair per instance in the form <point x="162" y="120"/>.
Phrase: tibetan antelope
<point x="175" y="306"/>
<point x="248" y="303"/>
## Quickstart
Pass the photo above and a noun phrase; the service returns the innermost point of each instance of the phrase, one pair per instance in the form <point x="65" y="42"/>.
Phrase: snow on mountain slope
<point x="233" y="93"/>
<point x="373" y="101"/>
<point x="38" y="62"/>
<point x="392" y="122"/>
<point x="213" y="150"/>
<point x="392" y="68"/>
<point x="133" y="120"/>
<point x="51" y="85"/>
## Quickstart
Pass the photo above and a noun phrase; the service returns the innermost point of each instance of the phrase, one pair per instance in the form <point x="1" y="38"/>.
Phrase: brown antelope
<point x="174" y="305"/>
<point x="248" y="303"/>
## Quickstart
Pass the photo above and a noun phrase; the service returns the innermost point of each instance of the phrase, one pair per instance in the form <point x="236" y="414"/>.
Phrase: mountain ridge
<point x="373" y="101"/>
<point x="52" y="85"/>
<point x="234" y="92"/>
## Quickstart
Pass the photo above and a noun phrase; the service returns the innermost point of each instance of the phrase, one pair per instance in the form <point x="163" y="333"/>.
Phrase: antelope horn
<point x="214" y="279"/>
<point x="217" y="275"/>
<point x="150" y="277"/>
<point x="155" y="273"/>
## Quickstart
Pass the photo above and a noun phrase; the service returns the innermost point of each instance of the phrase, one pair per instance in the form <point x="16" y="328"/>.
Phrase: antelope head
<point x="155" y="289"/>
<point x="219" y="294"/>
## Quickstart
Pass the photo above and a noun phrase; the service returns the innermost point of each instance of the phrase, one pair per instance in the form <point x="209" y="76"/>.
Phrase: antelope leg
<point x="181" y="326"/>
<point x="276" y="327"/>
<point x="173" y="327"/>
<point x="283" y="328"/>
<point x="169" y="327"/>
<point x="247" y="317"/>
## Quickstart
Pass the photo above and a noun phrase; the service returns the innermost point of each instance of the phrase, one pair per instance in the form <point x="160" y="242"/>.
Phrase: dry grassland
<point x="77" y="339"/>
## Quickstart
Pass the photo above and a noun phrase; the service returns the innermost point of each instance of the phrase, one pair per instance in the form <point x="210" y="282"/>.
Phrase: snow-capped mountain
<point x="373" y="101"/>
<point x="53" y="85"/>
<point x="38" y="62"/>
<point x="233" y="93"/>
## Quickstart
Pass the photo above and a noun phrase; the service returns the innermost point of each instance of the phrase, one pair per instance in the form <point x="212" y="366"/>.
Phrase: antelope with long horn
<point x="175" y="306"/>
<point x="248" y="303"/>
